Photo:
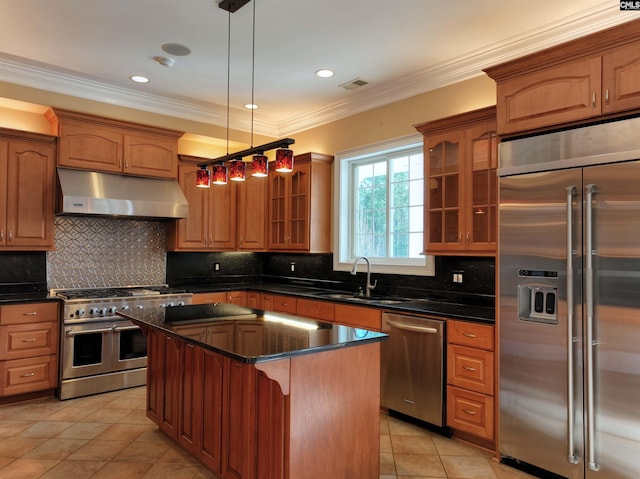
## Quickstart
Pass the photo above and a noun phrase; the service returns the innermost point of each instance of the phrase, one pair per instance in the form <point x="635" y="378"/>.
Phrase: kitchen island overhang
<point x="257" y="394"/>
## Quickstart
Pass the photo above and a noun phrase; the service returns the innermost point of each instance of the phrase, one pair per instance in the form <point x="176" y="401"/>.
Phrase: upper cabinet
<point x="582" y="80"/>
<point x="27" y="169"/>
<point x="211" y="225"/>
<point x="461" y="156"/>
<point x="93" y="143"/>
<point x="300" y="206"/>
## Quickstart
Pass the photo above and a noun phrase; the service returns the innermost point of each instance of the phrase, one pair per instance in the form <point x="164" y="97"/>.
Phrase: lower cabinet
<point x="28" y="348"/>
<point x="470" y="381"/>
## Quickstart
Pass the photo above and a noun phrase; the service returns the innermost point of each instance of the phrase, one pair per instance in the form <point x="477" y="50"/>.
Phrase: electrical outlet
<point x="293" y="266"/>
<point x="216" y="266"/>
<point x="457" y="277"/>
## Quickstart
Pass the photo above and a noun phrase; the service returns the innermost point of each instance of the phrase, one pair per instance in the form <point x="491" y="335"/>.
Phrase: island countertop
<point x="250" y="335"/>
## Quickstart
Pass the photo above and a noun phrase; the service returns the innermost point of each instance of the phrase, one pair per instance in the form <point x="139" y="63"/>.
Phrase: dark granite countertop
<point x="29" y="297"/>
<point x="434" y="307"/>
<point x="283" y="335"/>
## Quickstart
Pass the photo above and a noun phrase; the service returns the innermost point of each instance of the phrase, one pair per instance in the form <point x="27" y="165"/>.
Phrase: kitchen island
<point x="255" y="394"/>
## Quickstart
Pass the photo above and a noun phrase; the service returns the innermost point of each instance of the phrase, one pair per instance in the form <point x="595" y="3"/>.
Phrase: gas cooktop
<point x="116" y="292"/>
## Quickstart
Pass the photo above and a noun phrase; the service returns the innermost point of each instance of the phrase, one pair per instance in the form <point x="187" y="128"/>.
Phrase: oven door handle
<point x="125" y="328"/>
<point x="71" y="332"/>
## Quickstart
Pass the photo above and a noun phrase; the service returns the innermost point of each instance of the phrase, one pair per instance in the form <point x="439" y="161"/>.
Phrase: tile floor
<point x="108" y="436"/>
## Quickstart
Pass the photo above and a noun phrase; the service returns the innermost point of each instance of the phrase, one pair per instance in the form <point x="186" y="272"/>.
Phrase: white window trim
<point x="342" y="215"/>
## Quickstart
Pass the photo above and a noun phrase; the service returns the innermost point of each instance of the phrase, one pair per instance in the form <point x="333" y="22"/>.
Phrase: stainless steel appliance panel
<point x="534" y="362"/>
<point x="412" y="367"/>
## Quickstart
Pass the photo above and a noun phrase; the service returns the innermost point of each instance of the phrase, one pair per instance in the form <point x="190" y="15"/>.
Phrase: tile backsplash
<point x="98" y="252"/>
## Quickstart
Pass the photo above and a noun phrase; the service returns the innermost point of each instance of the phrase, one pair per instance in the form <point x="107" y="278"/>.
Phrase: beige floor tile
<point x="448" y="447"/>
<point x="176" y="471"/>
<point x="387" y="464"/>
<point x="123" y="470"/>
<point x="127" y="402"/>
<point x="137" y="416"/>
<point x="472" y="467"/>
<point x="419" y="465"/>
<point x="46" y="429"/>
<point x="71" y="414"/>
<point x="412" y="444"/>
<point x="19" y="446"/>
<point x="144" y="451"/>
<point x="396" y="426"/>
<point x="83" y="430"/>
<point x="111" y="416"/>
<point x="124" y="432"/>
<point x="99" y="450"/>
<point x="73" y="470"/>
<point x="10" y="428"/>
<point x="385" y="443"/>
<point x="27" y="468"/>
<point x="36" y="413"/>
<point x="56" y="449"/>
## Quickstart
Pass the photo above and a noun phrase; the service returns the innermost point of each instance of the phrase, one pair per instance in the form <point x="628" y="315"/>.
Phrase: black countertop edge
<point x="451" y="310"/>
<point x="155" y="318"/>
<point x="9" y="298"/>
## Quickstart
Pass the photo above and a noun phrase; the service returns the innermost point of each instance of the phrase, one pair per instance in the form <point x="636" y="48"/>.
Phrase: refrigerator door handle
<point x="592" y="464"/>
<point x="573" y="459"/>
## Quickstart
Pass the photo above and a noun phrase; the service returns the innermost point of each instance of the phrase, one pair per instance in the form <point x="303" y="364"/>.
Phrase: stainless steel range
<point x="101" y="351"/>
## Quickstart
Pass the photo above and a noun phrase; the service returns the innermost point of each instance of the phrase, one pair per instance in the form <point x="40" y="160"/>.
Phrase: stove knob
<point x="125" y="307"/>
<point x="162" y="305"/>
<point x="113" y="310"/>
<point x="93" y="311"/>
<point x="103" y="311"/>
<point x="171" y="304"/>
<point x="180" y="303"/>
<point x="140" y="306"/>
<point x="79" y="312"/>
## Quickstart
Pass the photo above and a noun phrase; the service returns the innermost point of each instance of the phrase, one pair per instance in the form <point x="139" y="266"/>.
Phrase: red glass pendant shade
<point x="237" y="170"/>
<point x="260" y="165"/>
<point x="284" y="160"/>
<point x="219" y="173"/>
<point x="203" y="178"/>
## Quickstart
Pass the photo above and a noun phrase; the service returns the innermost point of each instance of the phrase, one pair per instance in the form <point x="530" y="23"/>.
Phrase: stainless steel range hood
<point x="104" y="194"/>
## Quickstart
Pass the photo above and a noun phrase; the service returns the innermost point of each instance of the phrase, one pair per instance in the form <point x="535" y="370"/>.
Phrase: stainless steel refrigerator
<point x="569" y="301"/>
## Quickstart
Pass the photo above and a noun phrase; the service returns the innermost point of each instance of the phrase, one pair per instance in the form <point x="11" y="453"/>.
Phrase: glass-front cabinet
<point x="461" y="187"/>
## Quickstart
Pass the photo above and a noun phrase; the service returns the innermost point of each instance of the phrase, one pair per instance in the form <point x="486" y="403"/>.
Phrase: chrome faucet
<point x="354" y="270"/>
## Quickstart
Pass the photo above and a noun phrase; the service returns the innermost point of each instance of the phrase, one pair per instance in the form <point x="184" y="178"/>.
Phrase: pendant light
<point x="284" y="160"/>
<point x="260" y="165"/>
<point x="237" y="170"/>
<point x="219" y="174"/>
<point x="203" y="177"/>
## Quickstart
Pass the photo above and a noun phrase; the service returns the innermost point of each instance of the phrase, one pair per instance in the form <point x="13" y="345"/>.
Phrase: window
<point x="379" y="209"/>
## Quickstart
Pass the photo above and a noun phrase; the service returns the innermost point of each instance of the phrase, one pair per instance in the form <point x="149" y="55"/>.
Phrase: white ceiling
<point x="89" y="48"/>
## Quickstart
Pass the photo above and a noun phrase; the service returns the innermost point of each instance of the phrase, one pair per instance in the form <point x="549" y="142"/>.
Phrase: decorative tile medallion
<point x="103" y="252"/>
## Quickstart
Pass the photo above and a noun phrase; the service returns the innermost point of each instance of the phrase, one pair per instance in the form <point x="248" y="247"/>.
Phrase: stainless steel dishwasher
<point x="412" y="369"/>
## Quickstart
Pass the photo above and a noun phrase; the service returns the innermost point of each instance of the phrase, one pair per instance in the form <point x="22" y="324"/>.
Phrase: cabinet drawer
<point x="285" y="304"/>
<point x="470" y="412"/>
<point x="28" y="340"/>
<point x="470" y="334"/>
<point x="470" y="368"/>
<point x="358" y="317"/>
<point x="322" y="310"/>
<point x="205" y="298"/>
<point x="27" y="375"/>
<point x="29" y="313"/>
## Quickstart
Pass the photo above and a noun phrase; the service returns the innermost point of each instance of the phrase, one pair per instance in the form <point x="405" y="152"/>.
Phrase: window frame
<point x="343" y="210"/>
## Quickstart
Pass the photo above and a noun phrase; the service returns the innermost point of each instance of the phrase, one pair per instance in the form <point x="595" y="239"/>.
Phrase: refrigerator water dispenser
<point x="538" y="303"/>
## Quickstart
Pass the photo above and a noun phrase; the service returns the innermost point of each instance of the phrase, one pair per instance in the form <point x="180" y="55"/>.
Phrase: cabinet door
<point x="150" y="155"/>
<point x="28" y="340"/>
<point x="443" y="218"/>
<point x="171" y="367"/>
<point x="252" y="208"/>
<point x="222" y="217"/>
<point x="90" y="147"/>
<point x="205" y="298"/>
<point x="21" y="376"/>
<point x="30" y="195"/>
<point x="557" y="95"/>
<point x="481" y="188"/>
<point x="191" y="233"/>
<point x="254" y="300"/>
<point x="278" y="211"/>
<point x="237" y="297"/>
<point x="620" y="73"/>
<point x="4" y="151"/>
<point x="299" y="208"/>
<point x="212" y="380"/>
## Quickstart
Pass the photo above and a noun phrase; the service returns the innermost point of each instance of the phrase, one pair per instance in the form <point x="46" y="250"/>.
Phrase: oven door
<point x="129" y="347"/>
<point x="86" y="349"/>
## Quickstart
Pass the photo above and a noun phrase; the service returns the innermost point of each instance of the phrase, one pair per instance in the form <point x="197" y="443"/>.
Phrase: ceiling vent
<point x="353" y="84"/>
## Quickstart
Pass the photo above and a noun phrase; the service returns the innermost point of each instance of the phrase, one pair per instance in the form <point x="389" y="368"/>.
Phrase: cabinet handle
<point x="606" y="97"/>
<point x="28" y="375"/>
<point x="468" y="368"/>
<point x="10" y="235"/>
<point x="593" y="100"/>
<point x="1" y="235"/>
<point x="30" y="313"/>
<point x="470" y="335"/>
<point x="469" y="412"/>
<point x="30" y="340"/>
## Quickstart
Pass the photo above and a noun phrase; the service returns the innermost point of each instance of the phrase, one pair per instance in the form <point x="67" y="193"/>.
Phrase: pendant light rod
<point x="283" y="143"/>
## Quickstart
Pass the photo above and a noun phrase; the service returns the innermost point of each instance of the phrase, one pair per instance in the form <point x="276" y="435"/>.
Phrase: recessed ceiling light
<point x="139" y="79"/>
<point x="324" y="73"/>
<point x="251" y="106"/>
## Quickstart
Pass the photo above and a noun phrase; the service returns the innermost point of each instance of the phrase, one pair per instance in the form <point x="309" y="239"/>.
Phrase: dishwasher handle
<point x="411" y="327"/>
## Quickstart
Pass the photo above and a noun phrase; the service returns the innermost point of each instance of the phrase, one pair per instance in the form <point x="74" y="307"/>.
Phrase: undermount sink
<point x="365" y="299"/>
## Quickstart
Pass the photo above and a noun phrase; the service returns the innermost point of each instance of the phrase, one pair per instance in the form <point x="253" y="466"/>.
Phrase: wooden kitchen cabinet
<point x="211" y="224"/>
<point x="233" y="297"/>
<point x="358" y="316"/>
<point x="578" y="81"/>
<point x="29" y="342"/>
<point x="471" y="381"/>
<point x="300" y="206"/>
<point x="99" y="144"/>
<point x="27" y="176"/>
<point x="251" y="212"/>
<point x="461" y="156"/>
<point x="311" y="308"/>
<point x="279" y="303"/>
